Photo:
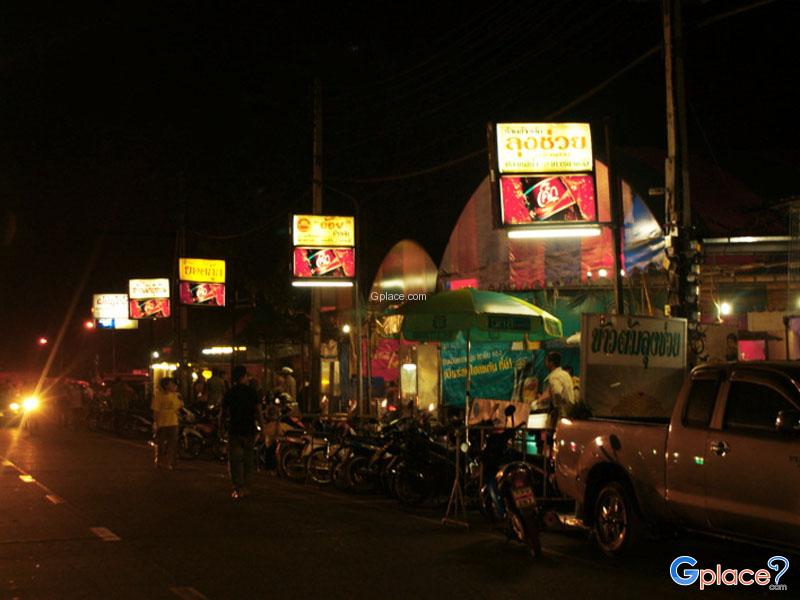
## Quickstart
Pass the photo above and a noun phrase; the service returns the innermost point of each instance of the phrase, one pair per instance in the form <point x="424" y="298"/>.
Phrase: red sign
<point x="202" y="294"/>
<point x="550" y="200"/>
<point x="154" y="308"/>
<point x="313" y="263"/>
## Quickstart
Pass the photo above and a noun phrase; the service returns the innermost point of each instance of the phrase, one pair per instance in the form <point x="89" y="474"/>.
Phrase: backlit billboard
<point x="202" y="294"/>
<point x="314" y="263"/>
<point x="544" y="148"/>
<point x="110" y="306"/>
<point x="201" y="270"/>
<point x="323" y="231"/>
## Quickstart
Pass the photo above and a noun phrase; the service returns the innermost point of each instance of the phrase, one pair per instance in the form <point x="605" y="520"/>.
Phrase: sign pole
<point x="316" y="333"/>
<point x="617" y="227"/>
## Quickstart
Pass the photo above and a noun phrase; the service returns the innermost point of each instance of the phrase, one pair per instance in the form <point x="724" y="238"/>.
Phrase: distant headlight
<point x="14" y="406"/>
<point x="30" y="403"/>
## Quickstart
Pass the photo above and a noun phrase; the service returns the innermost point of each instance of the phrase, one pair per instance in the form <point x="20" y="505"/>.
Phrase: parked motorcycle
<point x="198" y="433"/>
<point x="507" y="496"/>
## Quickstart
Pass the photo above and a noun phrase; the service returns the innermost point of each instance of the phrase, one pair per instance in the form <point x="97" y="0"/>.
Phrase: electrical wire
<point x="602" y="85"/>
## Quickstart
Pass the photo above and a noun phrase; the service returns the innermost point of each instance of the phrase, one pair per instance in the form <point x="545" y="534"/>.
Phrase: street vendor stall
<point x="480" y="316"/>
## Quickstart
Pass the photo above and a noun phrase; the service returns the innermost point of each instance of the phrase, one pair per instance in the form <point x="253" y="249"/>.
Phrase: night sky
<point x="115" y="119"/>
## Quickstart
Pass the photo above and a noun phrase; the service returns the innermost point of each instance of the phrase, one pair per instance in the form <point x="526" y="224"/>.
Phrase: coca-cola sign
<point x="548" y="199"/>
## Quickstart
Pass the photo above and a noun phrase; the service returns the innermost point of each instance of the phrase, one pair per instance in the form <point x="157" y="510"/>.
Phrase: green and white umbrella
<point x="481" y="316"/>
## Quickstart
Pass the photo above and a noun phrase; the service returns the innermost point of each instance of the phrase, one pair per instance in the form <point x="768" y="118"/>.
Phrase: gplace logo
<point x="719" y="576"/>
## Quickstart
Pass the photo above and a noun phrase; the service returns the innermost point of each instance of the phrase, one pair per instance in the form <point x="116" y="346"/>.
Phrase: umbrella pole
<point x="457" y="493"/>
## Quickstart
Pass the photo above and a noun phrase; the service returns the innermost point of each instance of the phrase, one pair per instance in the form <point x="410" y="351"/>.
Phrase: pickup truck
<point x="726" y="463"/>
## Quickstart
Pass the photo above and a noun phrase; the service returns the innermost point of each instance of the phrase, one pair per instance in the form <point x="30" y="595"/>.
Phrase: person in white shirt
<point x="559" y="388"/>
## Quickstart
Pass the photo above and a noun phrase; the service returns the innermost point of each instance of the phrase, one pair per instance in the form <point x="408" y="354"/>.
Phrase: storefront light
<point x="725" y="309"/>
<point x="311" y="283"/>
<point x="217" y="350"/>
<point x="346" y="328"/>
<point x="554" y="232"/>
<point x="602" y="273"/>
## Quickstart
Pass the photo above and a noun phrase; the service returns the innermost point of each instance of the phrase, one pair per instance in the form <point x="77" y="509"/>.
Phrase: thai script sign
<point x="110" y="306"/>
<point x="142" y="289"/>
<point x="635" y="341"/>
<point x="323" y="230"/>
<point x="201" y="270"/>
<point x="544" y="147"/>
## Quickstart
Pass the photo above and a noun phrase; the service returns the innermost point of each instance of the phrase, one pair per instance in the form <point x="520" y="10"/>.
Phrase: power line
<point x="599" y="87"/>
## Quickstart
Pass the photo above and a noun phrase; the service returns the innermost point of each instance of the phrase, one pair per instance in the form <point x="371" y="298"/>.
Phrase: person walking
<point x="166" y="404"/>
<point x="240" y="406"/>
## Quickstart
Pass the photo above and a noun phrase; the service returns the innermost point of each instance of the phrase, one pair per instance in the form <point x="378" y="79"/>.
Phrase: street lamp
<point x="346" y="328"/>
<point x="88" y="324"/>
<point x="155" y="354"/>
<point x="42" y="341"/>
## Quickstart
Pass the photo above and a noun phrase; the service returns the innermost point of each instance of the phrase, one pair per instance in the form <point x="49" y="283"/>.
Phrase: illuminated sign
<point x="202" y="294"/>
<point x="201" y="270"/>
<point x="544" y="147"/>
<point x="323" y="230"/>
<point x="117" y="324"/>
<point x="110" y="306"/>
<point x="526" y="200"/>
<point x="312" y="263"/>
<point x="152" y="308"/>
<point x="144" y="289"/>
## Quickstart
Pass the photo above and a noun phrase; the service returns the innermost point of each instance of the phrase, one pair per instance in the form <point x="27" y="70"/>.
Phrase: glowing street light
<point x="155" y="354"/>
<point x="346" y="328"/>
<point x="88" y="324"/>
<point x="42" y="341"/>
<point x="725" y="309"/>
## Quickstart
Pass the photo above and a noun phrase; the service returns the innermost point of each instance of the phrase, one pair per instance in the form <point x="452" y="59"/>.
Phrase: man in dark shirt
<point x="240" y="405"/>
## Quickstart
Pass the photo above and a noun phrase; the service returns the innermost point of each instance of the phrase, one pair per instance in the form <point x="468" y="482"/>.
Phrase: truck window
<point x="700" y="404"/>
<point x="753" y="407"/>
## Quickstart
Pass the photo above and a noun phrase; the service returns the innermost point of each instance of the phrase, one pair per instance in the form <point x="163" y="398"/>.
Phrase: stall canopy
<point x="480" y="255"/>
<point x="406" y="269"/>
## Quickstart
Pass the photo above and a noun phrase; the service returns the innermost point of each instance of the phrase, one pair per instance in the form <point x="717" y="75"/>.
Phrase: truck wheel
<point x="616" y="522"/>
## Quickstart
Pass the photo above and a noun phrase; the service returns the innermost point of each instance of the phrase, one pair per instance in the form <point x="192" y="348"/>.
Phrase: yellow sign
<point x="323" y="230"/>
<point x="544" y="147"/>
<point x="201" y="270"/>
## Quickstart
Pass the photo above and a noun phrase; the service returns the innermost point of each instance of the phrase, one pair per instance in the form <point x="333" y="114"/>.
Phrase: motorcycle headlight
<point x="14" y="406"/>
<point x="30" y="403"/>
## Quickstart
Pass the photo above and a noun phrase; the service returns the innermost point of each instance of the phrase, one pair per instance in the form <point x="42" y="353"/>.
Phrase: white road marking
<point x="27" y="478"/>
<point x="105" y="534"/>
<point x="55" y="499"/>
<point x="187" y="593"/>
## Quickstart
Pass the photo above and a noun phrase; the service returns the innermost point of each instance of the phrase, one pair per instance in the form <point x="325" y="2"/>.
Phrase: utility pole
<point x="181" y="315"/>
<point x="615" y="197"/>
<point x="681" y="249"/>
<point x="316" y="209"/>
